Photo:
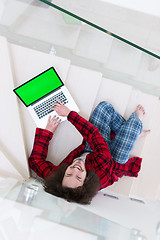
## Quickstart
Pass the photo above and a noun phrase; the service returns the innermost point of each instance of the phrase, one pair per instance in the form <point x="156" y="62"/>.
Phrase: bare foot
<point x="144" y="133"/>
<point x="140" y="111"/>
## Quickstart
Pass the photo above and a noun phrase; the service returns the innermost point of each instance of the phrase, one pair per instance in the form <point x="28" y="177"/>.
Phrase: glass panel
<point x="135" y="24"/>
<point x="40" y="26"/>
<point x="68" y="214"/>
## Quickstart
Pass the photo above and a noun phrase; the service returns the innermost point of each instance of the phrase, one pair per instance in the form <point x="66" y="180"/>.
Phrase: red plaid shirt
<point x="100" y="160"/>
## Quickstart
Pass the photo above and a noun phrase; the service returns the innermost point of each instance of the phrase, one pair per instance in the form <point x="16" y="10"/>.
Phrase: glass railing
<point x="102" y="23"/>
<point x="47" y="27"/>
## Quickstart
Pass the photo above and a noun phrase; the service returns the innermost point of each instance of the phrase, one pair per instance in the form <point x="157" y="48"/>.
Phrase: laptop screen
<point x="39" y="86"/>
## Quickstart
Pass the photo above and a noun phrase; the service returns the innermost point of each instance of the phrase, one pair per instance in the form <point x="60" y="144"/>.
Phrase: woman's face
<point x="74" y="175"/>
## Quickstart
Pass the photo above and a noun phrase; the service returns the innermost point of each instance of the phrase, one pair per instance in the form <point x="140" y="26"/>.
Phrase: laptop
<point x="41" y="92"/>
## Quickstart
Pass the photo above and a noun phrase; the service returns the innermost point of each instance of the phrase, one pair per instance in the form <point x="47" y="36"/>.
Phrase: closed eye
<point x="77" y="177"/>
<point x="68" y="175"/>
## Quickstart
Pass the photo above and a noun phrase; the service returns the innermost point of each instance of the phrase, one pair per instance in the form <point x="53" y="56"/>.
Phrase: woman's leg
<point x="124" y="140"/>
<point x="105" y="118"/>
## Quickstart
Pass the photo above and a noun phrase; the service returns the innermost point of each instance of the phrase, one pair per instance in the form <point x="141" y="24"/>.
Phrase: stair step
<point x="11" y="136"/>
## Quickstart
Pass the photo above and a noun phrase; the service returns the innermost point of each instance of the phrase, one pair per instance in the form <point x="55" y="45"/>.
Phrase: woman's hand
<point x="52" y="123"/>
<point x="61" y="109"/>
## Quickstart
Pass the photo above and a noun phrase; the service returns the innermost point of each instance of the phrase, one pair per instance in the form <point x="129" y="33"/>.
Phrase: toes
<point x="141" y="108"/>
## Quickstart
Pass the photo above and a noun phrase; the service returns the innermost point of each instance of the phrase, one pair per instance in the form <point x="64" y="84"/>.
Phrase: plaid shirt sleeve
<point x="90" y="134"/>
<point x="37" y="159"/>
<point x="131" y="168"/>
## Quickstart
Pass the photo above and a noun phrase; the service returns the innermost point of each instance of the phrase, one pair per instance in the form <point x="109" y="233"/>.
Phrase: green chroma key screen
<point x="39" y="86"/>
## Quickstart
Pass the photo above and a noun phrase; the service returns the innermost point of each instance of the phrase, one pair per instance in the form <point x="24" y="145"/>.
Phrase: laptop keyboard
<point x="44" y="108"/>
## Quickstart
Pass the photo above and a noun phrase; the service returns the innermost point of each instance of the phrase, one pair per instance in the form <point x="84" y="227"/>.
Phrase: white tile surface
<point x="11" y="139"/>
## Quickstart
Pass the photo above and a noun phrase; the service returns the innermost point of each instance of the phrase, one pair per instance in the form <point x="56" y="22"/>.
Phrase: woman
<point x="98" y="162"/>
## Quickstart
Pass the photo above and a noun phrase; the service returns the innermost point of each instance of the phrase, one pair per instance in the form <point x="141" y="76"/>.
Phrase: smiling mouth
<point x="78" y="166"/>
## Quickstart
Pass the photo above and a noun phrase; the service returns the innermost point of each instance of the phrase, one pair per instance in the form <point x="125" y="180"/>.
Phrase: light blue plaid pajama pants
<point x="106" y="118"/>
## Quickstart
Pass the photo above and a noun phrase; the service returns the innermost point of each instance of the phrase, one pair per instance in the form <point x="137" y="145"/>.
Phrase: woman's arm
<point x="90" y="134"/>
<point x="88" y="131"/>
<point x="37" y="159"/>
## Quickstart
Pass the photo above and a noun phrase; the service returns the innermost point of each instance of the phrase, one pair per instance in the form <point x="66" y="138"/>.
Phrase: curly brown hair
<point x="82" y="194"/>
